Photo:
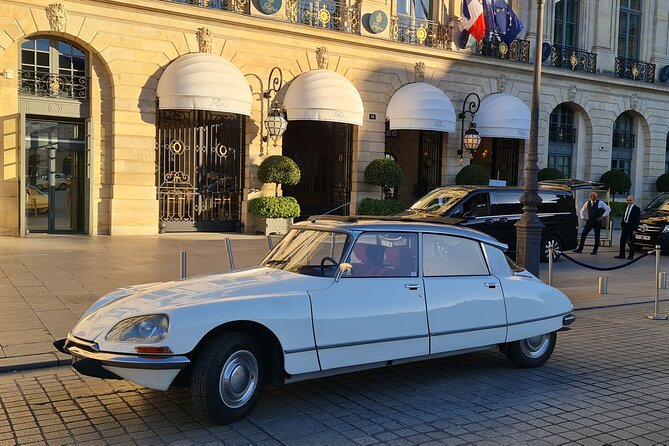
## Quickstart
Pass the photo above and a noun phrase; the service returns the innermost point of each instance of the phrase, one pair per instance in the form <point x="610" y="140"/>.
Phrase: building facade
<point x="144" y="116"/>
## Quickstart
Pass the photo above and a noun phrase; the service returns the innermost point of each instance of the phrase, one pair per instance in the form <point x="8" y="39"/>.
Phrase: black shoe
<point x="593" y="253"/>
<point x="618" y="257"/>
<point x="630" y="258"/>
<point x="577" y="250"/>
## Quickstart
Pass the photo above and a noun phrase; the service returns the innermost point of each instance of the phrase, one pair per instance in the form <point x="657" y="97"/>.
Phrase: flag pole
<point x="528" y="229"/>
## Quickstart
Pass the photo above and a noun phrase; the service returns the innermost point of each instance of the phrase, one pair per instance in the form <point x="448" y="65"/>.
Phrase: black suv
<point x="654" y="224"/>
<point x="496" y="209"/>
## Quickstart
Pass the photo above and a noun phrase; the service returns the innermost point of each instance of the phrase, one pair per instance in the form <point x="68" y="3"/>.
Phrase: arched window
<point x="565" y="31"/>
<point x="623" y="143"/>
<point x="629" y="29"/>
<point x="561" y="139"/>
<point x="51" y="67"/>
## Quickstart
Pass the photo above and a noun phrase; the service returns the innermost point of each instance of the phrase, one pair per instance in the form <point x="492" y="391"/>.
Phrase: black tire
<point x="531" y="352"/>
<point x="546" y="243"/>
<point x="237" y="356"/>
<point x="63" y="186"/>
<point x="40" y="187"/>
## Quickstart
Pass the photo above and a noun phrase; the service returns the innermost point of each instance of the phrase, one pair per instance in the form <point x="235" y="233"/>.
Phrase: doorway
<point x="500" y="162"/>
<point x="55" y="177"/>
<point x="322" y="151"/>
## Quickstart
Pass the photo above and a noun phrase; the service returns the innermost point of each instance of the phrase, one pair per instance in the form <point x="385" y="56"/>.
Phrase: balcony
<point x="332" y="15"/>
<point x="571" y="58"/>
<point x="238" y="6"/>
<point x="635" y="70"/>
<point x="562" y="134"/>
<point x="623" y="140"/>
<point x="417" y="31"/>
<point x="518" y="51"/>
<point x="53" y="85"/>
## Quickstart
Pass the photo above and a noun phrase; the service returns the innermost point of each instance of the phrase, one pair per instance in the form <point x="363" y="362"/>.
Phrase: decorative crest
<point x="203" y="35"/>
<point x="571" y="93"/>
<point x="634" y="98"/>
<point x="419" y="71"/>
<point x="322" y="57"/>
<point x="57" y="15"/>
<point x="501" y="83"/>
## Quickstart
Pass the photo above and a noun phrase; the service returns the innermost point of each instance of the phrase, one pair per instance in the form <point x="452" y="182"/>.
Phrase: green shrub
<point x="279" y="169"/>
<point x="662" y="183"/>
<point x="274" y="207"/>
<point x="472" y="175"/>
<point x="618" y="209"/>
<point x="617" y="181"/>
<point x="549" y="173"/>
<point x="383" y="172"/>
<point x="371" y="206"/>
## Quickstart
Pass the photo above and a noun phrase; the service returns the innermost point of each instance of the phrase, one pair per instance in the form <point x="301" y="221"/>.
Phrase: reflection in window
<point x="308" y="252"/>
<point x="566" y="23"/>
<point x="385" y="255"/>
<point x="419" y="9"/>
<point x="445" y="255"/>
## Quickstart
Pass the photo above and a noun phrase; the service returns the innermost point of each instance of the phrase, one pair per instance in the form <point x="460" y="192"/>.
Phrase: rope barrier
<point x="605" y="268"/>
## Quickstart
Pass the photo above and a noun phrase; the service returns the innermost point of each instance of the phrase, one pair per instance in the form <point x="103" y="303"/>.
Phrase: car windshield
<point x="311" y="252"/>
<point x="438" y="201"/>
<point x="660" y="203"/>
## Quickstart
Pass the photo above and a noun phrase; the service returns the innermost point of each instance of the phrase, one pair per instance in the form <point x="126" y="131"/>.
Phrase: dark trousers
<point x="625" y="235"/>
<point x="589" y="225"/>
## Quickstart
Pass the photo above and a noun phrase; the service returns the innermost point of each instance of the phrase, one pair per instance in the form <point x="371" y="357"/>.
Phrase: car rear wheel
<point x="228" y="377"/>
<point x="531" y="352"/>
<point x="63" y="186"/>
<point x="555" y="243"/>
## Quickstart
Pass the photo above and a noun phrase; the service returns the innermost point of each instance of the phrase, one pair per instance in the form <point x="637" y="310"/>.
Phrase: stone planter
<point x="269" y="226"/>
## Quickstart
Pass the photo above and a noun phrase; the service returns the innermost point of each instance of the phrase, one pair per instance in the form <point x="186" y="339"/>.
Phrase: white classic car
<point x="335" y="295"/>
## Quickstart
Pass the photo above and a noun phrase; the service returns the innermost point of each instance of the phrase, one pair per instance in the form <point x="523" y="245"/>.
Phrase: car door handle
<point x="490" y="220"/>
<point x="503" y="220"/>
<point x="490" y="285"/>
<point x="412" y="286"/>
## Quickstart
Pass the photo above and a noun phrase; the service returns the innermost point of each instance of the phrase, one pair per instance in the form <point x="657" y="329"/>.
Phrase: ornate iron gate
<point x="199" y="169"/>
<point x="343" y="144"/>
<point x="505" y="160"/>
<point x="429" y="161"/>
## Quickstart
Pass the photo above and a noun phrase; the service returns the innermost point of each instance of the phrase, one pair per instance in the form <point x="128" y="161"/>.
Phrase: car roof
<point x="466" y="189"/>
<point x="417" y="222"/>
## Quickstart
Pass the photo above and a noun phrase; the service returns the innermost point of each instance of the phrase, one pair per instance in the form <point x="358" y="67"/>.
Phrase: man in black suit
<point x="629" y="225"/>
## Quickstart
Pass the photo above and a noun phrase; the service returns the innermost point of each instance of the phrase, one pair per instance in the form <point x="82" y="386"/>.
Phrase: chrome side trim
<point x="375" y="341"/>
<point x="299" y="350"/>
<point x="539" y="319"/>
<point x="490" y="327"/>
<point x="131" y="361"/>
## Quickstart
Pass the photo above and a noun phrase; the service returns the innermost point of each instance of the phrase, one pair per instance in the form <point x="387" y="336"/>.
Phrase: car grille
<point x="646" y="229"/>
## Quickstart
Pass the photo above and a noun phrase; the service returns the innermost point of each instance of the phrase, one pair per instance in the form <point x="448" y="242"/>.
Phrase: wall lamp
<point x="470" y="139"/>
<point x="274" y="124"/>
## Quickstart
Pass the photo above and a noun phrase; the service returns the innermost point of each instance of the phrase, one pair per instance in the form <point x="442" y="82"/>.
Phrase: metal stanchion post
<point x="230" y="259"/>
<point x="550" y="265"/>
<point x="182" y="265"/>
<point x="655" y="316"/>
<point x="269" y="242"/>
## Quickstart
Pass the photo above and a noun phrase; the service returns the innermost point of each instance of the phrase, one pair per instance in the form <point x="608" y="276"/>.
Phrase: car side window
<point x="377" y="254"/>
<point x="476" y="206"/>
<point x="445" y="255"/>
<point x="507" y="203"/>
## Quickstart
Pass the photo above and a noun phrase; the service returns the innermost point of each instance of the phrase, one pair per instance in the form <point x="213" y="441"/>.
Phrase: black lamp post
<point x="528" y="228"/>
<point x="470" y="139"/>
<point x="274" y="123"/>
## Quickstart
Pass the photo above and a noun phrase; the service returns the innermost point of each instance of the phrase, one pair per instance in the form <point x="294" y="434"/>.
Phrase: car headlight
<point x="141" y="329"/>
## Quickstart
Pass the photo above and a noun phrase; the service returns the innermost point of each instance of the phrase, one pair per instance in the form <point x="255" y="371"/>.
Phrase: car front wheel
<point x="531" y="352"/>
<point x="228" y="377"/>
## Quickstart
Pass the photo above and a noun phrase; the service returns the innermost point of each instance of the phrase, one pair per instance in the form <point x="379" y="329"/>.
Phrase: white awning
<point x="421" y="106"/>
<point x="322" y="95"/>
<point x="502" y="115"/>
<point x="203" y="81"/>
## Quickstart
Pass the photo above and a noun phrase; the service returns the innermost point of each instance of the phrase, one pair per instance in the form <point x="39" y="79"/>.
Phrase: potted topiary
<point x="387" y="174"/>
<point x="662" y="183"/>
<point x="617" y="181"/>
<point x="472" y="175"/>
<point x="274" y="215"/>
<point x="549" y="173"/>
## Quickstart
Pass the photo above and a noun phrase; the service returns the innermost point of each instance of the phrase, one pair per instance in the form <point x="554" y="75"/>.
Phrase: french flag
<point x="473" y="19"/>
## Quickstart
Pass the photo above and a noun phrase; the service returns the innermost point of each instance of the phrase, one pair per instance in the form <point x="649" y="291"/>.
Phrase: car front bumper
<point x="153" y="371"/>
<point x="651" y="239"/>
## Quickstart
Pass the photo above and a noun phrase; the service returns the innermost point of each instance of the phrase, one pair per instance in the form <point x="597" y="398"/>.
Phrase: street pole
<point x="528" y="229"/>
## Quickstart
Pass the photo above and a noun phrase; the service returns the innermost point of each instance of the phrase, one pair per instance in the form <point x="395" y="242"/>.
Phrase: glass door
<point x="55" y="176"/>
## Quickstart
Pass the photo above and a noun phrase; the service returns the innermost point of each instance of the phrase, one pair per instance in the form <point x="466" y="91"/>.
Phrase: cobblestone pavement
<point x="607" y="383"/>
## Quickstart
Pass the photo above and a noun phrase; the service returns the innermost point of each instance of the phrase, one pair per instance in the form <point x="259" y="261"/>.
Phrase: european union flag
<point x="501" y="20"/>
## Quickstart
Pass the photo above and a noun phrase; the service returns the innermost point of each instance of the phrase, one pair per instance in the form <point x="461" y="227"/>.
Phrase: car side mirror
<point x="343" y="268"/>
<point x="468" y="214"/>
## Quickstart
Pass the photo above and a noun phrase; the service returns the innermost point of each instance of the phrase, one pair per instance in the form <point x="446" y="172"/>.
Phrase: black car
<point x="654" y="224"/>
<point x="496" y="209"/>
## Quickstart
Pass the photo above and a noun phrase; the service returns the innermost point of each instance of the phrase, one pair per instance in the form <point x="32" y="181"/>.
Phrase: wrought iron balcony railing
<point x="562" y="134"/>
<point x="518" y="51"/>
<point x="623" y="140"/>
<point x="635" y="69"/>
<point x="573" y="59"/>
<point x="239" y="6"/>
<point x="53" y="85"/>
<point x="326" y="14"/>
<point x="417" y="31"/>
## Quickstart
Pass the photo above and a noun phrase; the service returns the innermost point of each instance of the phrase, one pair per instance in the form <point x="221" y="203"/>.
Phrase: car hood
<point x="168" y="297"/>
<point x="655" y="218"/>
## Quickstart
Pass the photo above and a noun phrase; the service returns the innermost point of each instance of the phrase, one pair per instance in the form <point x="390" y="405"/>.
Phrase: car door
<point x="377" y="312"/>
<point x="507" y="210"/>
<point x="465" y="303"/>
<point x="475" y="209"/>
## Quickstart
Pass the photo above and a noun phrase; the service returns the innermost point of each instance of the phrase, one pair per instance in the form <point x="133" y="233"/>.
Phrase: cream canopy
<point x="421" y="106"/>
<point x="502" y="115"/>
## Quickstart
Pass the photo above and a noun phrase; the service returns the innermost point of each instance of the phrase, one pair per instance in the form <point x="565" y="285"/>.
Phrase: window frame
<point x="423" y="261"/>
<point x="563" y="28"/>
<point x="629" y="12"/>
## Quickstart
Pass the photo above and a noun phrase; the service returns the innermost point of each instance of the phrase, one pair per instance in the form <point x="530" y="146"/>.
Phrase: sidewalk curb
<point x="57" y="359"/>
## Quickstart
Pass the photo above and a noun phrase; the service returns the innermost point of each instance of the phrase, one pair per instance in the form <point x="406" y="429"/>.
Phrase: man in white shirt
<point x="593" y="213"/>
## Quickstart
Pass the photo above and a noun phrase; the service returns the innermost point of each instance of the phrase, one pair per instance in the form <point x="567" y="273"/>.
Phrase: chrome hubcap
<point x="239" y="379"/>
<point x="536" y="346"/>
